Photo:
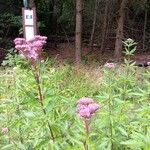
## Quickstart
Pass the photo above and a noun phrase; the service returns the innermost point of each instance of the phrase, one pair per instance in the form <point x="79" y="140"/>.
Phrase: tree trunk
<point x="93" y="26"/>
<point x="31" y="4"/>
<point x="78" y="42"/>
<point x="119" y="33"/>
<point x="145" y="23"/>
<point x="104" y="28"/>
<point x="57" y="8"/>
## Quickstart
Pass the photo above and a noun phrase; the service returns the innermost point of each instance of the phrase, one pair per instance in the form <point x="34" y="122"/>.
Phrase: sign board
<point x="29" y="23"/>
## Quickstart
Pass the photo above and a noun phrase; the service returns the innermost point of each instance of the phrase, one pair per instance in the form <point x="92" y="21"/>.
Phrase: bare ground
<point x="66" y="52"/>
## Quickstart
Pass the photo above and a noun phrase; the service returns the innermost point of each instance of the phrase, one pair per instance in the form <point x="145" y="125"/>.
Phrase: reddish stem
<point x="86" y="146"/>
<point x="36" y="74"/>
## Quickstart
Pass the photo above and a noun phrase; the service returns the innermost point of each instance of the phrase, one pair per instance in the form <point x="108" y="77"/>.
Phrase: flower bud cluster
<point x="86" y="107"/>
<point x="30" y="49"/>
<point x="109" y="65"/>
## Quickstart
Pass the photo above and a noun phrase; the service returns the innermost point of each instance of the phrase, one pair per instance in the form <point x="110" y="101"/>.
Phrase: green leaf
<point x="29" y="114"/>
<point x="132" y="143"/>
<point x="123" y="131"/>
<point x="7" y="147"/>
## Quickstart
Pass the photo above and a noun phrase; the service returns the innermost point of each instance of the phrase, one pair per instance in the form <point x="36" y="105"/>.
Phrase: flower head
<point x="85" y="101"/>
<point x="148" y="63"/>
<point x="109" y="65"/>
<point x="86" y="107"/>
<point x="4" y="130"/>
<point x="85" y="113"/>
<point x="30" y="49"/>
<point x="93" y="107"/>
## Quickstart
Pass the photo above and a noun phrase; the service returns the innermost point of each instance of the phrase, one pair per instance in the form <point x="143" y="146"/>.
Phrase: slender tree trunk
<point x="119" y="33"/>
<point x="31" y="4"/>
<point x="57" y="8"/>
<point x="145" y="23"/>
<point x="93" y="26"/>
<point x="78" y="38"/>
<point x="104" y="28"/>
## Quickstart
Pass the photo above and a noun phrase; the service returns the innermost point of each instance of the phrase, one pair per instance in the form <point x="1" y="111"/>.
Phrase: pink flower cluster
<point x="4" y="130"/>
<point x="109" y="65"/>
<point x="30" y="49"/>
<point x="148" y="63"/>
<point x="86" y="107"/>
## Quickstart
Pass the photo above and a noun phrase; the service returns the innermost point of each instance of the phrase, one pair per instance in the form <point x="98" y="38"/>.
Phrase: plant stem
<point x="110" y="123"/>
<point x="36" y="73"/>
<point x="18" y="109"/>
<point x="110" y="113"/>
<point x="86" y="146"/>
<point x="8" y="122"/>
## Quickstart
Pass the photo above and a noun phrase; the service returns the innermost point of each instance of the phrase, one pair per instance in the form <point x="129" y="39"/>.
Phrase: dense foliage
<point x="121" y="123"/>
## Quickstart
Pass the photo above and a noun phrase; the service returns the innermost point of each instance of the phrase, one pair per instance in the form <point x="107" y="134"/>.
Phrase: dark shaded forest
<point x="99" y="25"/>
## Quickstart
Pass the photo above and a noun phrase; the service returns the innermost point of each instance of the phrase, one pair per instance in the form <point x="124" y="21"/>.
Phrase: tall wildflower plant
<point x="130" y="48"/>
<point x="86" y="107"/>
<point x="116" y="90"/>
<point x="110" y="74"/>
<point x="120" y="98"/>
<point x="31" y="50"/>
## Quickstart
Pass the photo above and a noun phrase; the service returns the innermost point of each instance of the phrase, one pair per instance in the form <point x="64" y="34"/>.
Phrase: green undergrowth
<point x="122" y="123"/>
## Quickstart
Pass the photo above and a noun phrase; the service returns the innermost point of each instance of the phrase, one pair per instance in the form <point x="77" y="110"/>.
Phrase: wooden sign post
<point x="29" y="23"/>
